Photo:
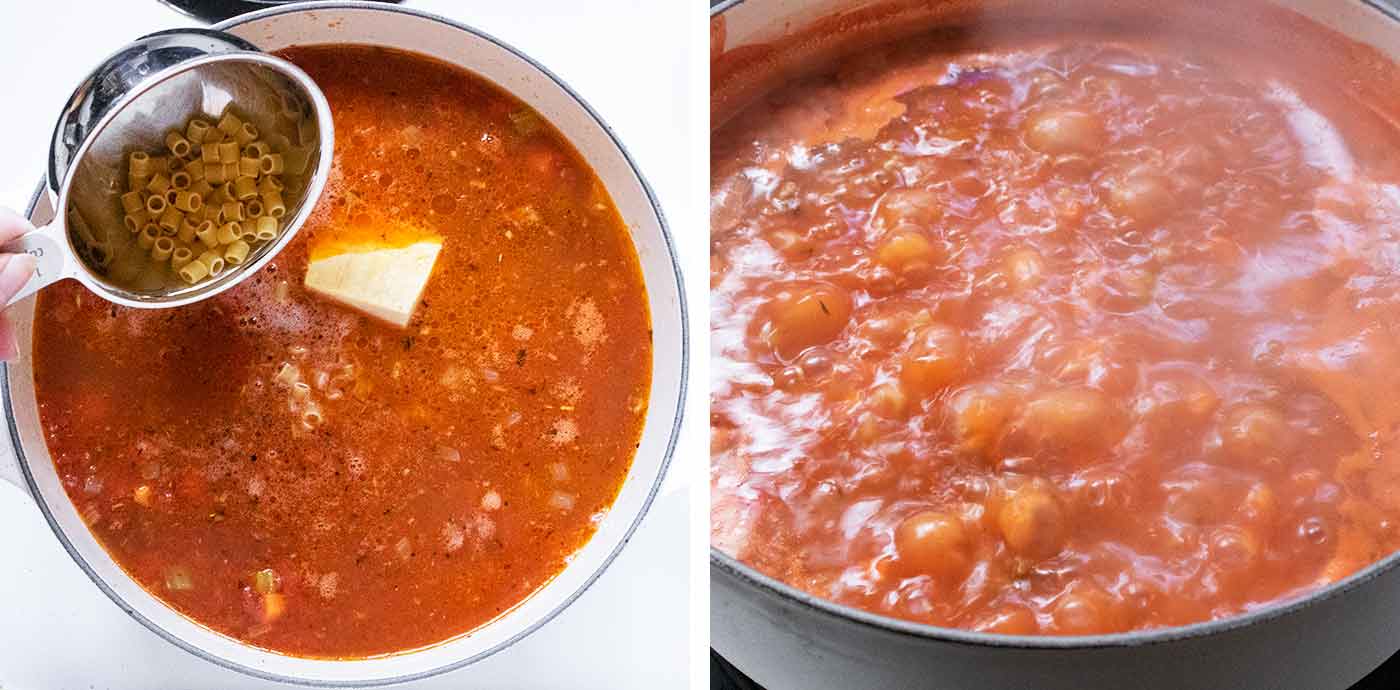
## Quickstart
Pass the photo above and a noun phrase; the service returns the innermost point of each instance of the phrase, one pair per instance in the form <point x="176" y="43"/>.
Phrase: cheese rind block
<point x="384" y="282"/>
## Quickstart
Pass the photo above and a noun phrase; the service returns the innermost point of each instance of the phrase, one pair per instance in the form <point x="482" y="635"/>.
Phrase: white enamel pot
<point x="394" y="27"/>
<point x="784" y="638"/>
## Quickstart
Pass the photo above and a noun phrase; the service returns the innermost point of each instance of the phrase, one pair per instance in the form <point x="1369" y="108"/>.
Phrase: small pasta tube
<point x="137" y="183"/>
<point x="193" y="272"/>
<point x="158" y="184"/>
<point x="248" y="167"/>
<point x="213" y="261"/>
<point x="228" y="152"/>
<point x="132" y="202"/>
<point x="188" y="202"/>
<point x="170" y="220"/>
<point x="212" y="211"/>
<point x="195" y="169"/>
<point x="208" y="235"/>
<point x="160" y="164"/>
<point x="245" y="188"/>
<point x="229" y="232"/>
<point x="210" y="155"/>
<point x="214" y="173"/>
<point x="230" y="170"/>
<point x="180" y="180"/>
<point x="213" y="135"/>
<point x="175" y="165"/>
<point x="246" y="134"/>
<point x="155" y="204"/>
<point x="148" y="236"/>
<point x="178" y="144"/>
<point x="136" y="220"/>
<point x="170" y="196"/>
<point x="180" y="257"/>
<point x="195" y="130"/>
<point x="269" y="184"/>
<point x="188" y="227"/>
<point x="265" y="228"/>
<point x="201" y="187"/>
<point x="139" y="164"/>
<point x="271" y="164"/>
<point x="272" y="204"/>
<point x="253" y="208"/>
<point x="233" y="211"/>
<point x="230" y="123"/>
<point x="162" y="249"/>
<point x="236" y="252"/>
<point x="256" y="150"/>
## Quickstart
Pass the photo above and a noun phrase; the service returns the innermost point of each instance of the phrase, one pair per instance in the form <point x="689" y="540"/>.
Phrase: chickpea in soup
<point x="307" y="479"/>
<point x="1055" y="336"/>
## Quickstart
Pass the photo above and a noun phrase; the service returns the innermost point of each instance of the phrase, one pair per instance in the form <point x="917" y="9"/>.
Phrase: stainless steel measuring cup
<point x="129" y="103"/>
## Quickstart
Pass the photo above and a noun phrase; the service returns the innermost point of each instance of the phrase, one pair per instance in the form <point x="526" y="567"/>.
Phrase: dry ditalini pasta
<point x="210" y="202"/>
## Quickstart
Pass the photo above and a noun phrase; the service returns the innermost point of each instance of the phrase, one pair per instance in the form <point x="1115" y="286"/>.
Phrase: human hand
<point x="15" y="270"/>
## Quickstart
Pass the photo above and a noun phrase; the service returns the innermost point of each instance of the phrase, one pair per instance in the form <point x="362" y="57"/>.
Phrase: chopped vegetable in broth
<point x="310" y="479"/>
<point x="1060" y="331"/>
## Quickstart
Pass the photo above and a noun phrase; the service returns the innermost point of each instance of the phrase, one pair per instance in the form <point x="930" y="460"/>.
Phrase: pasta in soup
<point x="1060" y="329"/>
<point x="311" y="480"/>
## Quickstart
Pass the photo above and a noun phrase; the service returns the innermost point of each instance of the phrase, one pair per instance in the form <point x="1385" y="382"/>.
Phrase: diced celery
<point x="265" y="581"/>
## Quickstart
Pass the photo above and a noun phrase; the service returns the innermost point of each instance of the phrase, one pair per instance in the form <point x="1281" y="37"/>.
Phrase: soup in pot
<point x="1059" y="332"/>
<point x="306" y="478"/>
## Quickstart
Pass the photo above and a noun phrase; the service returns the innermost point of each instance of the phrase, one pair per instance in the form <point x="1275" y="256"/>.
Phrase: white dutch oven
<point x="393" y="27"/>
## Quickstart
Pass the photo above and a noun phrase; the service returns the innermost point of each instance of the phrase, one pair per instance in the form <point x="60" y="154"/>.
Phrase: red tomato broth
<point x="1042" y="335"/>
<point x="462" y="460"/>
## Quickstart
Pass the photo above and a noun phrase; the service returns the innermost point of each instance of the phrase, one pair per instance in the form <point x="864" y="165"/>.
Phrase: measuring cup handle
<point x="46" y="245"/>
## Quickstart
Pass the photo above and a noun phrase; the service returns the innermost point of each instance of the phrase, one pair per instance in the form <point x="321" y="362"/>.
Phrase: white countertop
<point x="631" y="62"/>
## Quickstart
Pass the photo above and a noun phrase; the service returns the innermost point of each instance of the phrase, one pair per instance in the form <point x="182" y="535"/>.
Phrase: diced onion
<point x="559" y="471"/>
<point x="178" y="579"/>
<point x="561" y="500"/>
<point x="491" y="501"/>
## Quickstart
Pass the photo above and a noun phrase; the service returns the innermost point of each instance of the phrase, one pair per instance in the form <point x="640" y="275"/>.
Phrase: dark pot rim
<point x="725" y="565"/>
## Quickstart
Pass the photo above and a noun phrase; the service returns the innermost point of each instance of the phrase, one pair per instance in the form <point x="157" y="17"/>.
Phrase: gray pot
<point x="785" y="638"/>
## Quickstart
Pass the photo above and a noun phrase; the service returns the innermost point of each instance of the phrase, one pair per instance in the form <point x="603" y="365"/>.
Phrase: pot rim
<point x="663" y="468"/>
<point x="724" y="564"/>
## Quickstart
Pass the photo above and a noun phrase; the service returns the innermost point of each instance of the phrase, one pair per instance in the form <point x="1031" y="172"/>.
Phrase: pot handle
<point x="46" y="245"/>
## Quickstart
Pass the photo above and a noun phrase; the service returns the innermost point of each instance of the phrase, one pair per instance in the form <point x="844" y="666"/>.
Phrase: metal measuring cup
<point x="152" y="86"/>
